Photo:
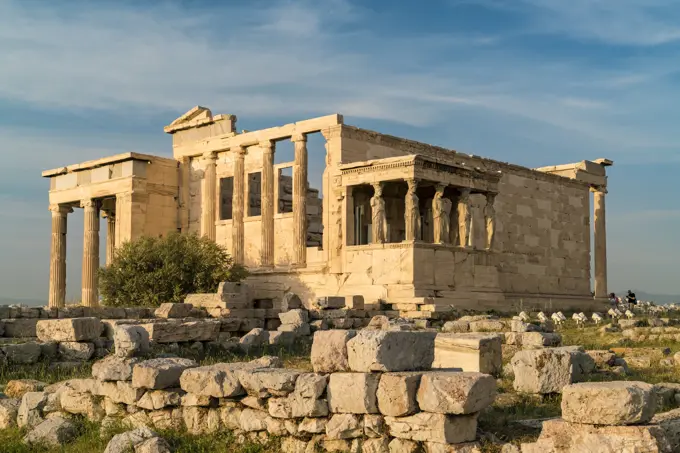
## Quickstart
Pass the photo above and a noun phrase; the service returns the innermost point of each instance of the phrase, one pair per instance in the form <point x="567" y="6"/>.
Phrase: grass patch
<point x="223" y="441"/>
<point x="89" y="440"/>
<point x="43" y="371"/>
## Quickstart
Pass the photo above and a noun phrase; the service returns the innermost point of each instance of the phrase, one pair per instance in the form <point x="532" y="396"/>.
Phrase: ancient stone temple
<point x="408" y="225"/>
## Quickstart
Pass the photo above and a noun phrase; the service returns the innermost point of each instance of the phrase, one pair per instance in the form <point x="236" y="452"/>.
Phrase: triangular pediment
<point x="193" y="117"/>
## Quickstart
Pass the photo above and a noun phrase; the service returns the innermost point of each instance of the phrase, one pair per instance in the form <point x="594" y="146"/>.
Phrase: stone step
<point x="411" y="300"/>
<point x="407" y="291"/>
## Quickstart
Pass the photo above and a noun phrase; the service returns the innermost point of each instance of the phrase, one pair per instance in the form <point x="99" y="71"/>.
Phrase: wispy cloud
<point x="561" y="81"/>
<point x="616" y="22"/>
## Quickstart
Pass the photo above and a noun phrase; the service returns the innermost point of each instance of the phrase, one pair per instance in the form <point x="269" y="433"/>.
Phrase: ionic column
<point x="238" y="206"/>
<point x="267" y="252"/>
<point x="490" y="220"/>
<point x="184" y="193"/>
<point x="300" y="200"/>
<point x="110" y="235"/>
<point x="90" y="293"/>
<point x="464" y="218"/>
<point x="600" y="235"/>
<point x="209" y="196"/>
<point x="57" y="296"/>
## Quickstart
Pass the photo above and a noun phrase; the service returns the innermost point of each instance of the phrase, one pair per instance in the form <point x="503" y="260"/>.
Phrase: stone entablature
<point x="419" y="168"/>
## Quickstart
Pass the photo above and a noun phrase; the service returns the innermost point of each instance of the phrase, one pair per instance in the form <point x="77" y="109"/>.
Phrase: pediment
<point x="196" y="116"/>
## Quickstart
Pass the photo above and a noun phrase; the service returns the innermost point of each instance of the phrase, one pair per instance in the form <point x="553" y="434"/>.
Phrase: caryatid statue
<point x="412" y="212"/>
<point x="464" y="217"/>
<point x="441" y="213"/>
<point x="379" y="226"/>
<point x="490" y="219"/>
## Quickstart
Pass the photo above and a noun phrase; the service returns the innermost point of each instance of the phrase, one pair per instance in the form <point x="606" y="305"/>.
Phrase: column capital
<point x="412" y="183"/>
<point x="239" y="150"/>
<point x="490" y="197"/>
<point x="267" y="146"/>
<point x="441" y="187"/>
<point x="89" y="203"/>
<point x="464" y="194"/>
<point x="60" y="209"/>
<point x="210" y="155"/>
<point x="298" y="138"/>
<point x="109" y="214"/>
<point x="599" y="189"/>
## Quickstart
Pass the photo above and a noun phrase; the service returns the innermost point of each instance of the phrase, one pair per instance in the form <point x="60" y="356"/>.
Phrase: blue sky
<point x="534" y="82"/>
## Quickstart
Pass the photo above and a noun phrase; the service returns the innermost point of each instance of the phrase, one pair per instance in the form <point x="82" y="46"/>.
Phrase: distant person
<point x="631" y="299"/>
<point x="612" y="299"/>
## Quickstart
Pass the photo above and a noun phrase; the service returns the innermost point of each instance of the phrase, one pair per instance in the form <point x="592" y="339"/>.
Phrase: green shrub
<point x="152" y="270"/>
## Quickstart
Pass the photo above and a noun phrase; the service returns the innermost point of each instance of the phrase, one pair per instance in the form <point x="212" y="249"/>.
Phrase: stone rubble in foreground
<point x="354" y="407"/>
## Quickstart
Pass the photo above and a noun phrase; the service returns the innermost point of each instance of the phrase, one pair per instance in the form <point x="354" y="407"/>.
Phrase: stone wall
<point x="542" y="241"/>
<point x="371" y="392"/>
<point x="543" y="234"/>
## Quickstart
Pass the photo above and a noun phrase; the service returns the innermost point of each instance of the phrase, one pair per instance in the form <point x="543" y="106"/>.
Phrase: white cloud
<point x="617" y="22"/>
<point x="297" y="58"/>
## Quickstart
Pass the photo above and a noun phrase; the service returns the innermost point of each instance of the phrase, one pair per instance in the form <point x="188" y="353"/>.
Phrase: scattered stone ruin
<point x="396" y="385"/>
<point x="373" y="390"/>
<point x="411" y="227"/>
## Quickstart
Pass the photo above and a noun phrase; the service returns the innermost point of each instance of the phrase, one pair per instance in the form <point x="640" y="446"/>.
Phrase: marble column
<point x="412" y="211"/>
<point x="209" y="196"/>
<point x="490" y="220"/>
<point x="267" y="252"/>
<point x="238" y="206"/>
<point x="110" y="217"/>
<point x="184" y="193"/>
<point x="600" y="236"/>
<point x="464" y="218"/>
<point x="90" y="293"/>
<point x="57" y="296"/>
<point x="300" y="201"/>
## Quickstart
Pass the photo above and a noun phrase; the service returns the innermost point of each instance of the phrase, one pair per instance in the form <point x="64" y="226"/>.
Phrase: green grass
<point x="89" y="440"/>
<point x="42" y="371"/>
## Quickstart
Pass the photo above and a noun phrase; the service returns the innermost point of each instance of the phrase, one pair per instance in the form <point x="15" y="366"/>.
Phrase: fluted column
<point x="110" y="235"/>
<point x="238" y="206"/>
<point x="267" y="252"/>
<point x="90" y="293"/>
<point x="464" y="218"/>
<point x="57" y="296"/>
<point x="209" y="196"/>
<point x="600" y="236"/>
<point x="300" y="201"/>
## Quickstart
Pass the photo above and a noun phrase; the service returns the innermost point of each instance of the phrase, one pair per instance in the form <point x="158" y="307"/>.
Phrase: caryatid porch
<point x="415" y="199"/>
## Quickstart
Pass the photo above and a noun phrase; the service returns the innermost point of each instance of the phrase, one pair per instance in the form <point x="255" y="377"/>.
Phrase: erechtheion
<point x="414" y="226"/>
